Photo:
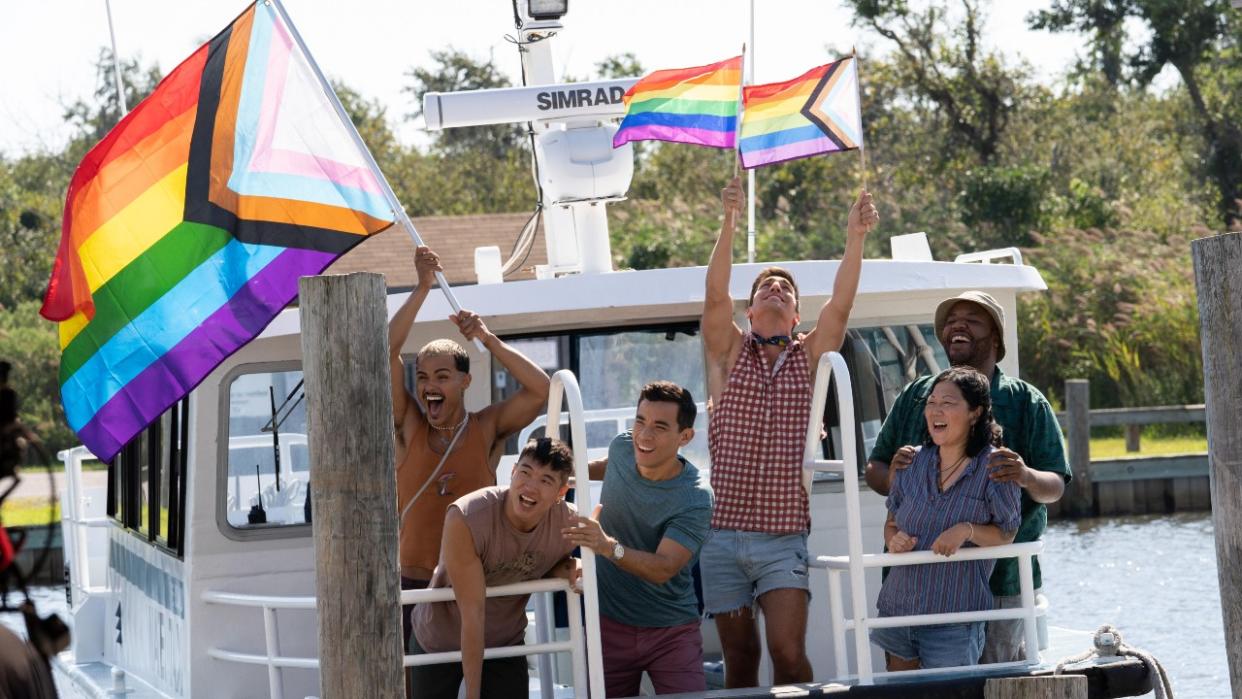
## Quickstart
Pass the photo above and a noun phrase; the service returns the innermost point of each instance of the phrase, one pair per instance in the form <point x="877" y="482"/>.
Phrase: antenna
<point x="257" y="515"/>
<point x="116" y="62"/>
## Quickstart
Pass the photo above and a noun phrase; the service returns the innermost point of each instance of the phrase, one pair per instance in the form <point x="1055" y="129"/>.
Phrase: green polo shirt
<point x="1030" y="429"/>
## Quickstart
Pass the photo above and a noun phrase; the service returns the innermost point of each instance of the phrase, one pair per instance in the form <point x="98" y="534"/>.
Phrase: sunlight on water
<point x="1154" y="578"/>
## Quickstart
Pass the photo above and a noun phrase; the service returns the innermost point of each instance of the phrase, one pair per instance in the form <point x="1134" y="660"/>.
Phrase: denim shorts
<point x="942" y="645"/>
<point x="739" y="567"/>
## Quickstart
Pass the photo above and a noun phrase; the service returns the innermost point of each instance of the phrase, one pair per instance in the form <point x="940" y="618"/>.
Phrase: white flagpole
<point x="749" y="79"/>
<point x="397" y="209"/>
<point x="116" y="62"/>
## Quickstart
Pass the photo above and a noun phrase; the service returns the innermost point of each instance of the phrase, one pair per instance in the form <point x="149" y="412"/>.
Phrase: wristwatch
<point x="618" y="551"/>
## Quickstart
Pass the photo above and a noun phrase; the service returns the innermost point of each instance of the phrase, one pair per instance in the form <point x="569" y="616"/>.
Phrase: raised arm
<point x="518" y="410"/>
<point x="427" y="263"/>
<point x="465" y="571"/>
<point x="721" y="336"/>
<point x="829" y="330"/>
<point x="720" y="333"/>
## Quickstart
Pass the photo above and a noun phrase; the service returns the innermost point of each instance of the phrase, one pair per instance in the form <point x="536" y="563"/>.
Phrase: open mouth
<point x="527" y="501"/>
<point x="960" y="338"/>
<point x="644" y="450"/>
<point x="435" y="405"/>
<point x="938" y="427"/>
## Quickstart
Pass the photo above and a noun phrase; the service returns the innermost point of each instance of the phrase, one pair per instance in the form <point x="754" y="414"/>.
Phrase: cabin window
<point x="882" y="361"/>
<point x="612" y="366"/>
<point x="268" y="462"/>
<point x="146" y="481"/>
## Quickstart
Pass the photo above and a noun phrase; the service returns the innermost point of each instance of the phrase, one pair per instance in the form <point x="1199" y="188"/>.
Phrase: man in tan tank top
<point x="495" y="536"/>
<point x="444" y="451"/>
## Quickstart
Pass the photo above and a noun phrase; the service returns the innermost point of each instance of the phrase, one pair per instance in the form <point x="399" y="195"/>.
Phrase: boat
<point x="192" y="573"/>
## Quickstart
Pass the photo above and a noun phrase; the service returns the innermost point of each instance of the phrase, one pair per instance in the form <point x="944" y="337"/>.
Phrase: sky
<point x="48" y="49"/>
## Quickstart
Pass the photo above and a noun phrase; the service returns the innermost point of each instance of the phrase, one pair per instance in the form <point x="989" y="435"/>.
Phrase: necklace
<point x="454" y="428"/>
<point x="946" y="475"/>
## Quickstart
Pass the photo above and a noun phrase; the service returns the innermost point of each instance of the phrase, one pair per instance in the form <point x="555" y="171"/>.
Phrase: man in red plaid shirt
<point x="760" y="387"/>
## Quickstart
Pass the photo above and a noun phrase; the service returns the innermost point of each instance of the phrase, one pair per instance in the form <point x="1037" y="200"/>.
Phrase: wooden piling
<point x="1134" y="435"/>
<point x="1044" y="687"/>
<point x="1081" y="500"/>
<point x="1218" y="283"/>
<point x="354" y="499"/>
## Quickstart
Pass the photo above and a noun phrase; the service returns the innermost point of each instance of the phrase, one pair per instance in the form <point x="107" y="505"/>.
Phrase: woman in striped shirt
<point x="944" y="500"/>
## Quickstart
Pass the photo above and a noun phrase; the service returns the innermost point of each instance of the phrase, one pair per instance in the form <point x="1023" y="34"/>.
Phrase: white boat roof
<point x="515" y="304"/>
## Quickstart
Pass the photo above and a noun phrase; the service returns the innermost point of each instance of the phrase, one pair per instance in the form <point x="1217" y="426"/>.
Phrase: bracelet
<point x="972" y="532"/>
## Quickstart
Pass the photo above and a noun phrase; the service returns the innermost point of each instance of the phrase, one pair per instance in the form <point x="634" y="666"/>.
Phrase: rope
<point x="1108" y="643"/>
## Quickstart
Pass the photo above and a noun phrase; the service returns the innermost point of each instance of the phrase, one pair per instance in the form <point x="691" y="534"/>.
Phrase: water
<point x="1153" y="577"/>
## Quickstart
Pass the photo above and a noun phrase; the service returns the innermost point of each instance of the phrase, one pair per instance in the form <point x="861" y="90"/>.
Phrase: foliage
<point x="1120" y="311"/>
<point x="1201" y="40"/>
<point x="30" y="344"/>
<point x="453" y="71"/>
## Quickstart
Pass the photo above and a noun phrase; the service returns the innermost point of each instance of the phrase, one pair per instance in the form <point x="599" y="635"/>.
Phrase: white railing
<point x="588" y="667"/>
<point x="275" y="662"/>
<point x="75" y="523"/>
<point x="856" y="562"/>
<point x="619" y="417"/>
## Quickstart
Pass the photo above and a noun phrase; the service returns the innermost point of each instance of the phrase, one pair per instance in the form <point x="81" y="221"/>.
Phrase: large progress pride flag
<point x="186" y="229"/>
<point x="685" y="105"/>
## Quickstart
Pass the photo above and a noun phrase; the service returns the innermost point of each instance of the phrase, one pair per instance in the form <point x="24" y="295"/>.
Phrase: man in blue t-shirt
<point x="653" y="517"/>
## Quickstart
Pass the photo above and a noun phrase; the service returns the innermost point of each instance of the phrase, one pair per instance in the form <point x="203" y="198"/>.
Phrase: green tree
<point x="942" y="59"/>
<point x="621" y="65"/>
<point x="454" y="71"/>
<point x="93" y="119"/>
<point x="1202" y="41"/>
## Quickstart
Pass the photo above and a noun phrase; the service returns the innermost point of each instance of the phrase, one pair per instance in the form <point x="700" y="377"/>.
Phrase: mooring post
<point x="1078" y="415"/>
<point x="1218" y="283"/>
<point x="1046" y="687"/>
<point x="354" y="499"/>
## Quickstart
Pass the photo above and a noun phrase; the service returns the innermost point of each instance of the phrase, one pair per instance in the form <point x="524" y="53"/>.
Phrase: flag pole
<point x="862" y="150"/>
<point x="397" y="209"/>
<point x="116" y="62"/>
<point x="749" y="78"/>
<point x="737" y="126"/>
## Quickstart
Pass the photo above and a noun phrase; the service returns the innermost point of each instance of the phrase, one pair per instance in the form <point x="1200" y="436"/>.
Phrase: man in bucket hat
<point x="971" y="328"/>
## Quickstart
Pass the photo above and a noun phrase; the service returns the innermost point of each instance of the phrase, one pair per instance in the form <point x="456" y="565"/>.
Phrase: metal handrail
<point x="565" y="385"/>
<point x="73" y="515"/>
<point x="585" y="648"/>
<point x="856" y="562"/>
<point x="275" y="662"/>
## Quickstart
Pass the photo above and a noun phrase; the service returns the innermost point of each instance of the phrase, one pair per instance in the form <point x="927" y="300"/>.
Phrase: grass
<point x="1113" y="447"/>
<point x="25" y="512"/>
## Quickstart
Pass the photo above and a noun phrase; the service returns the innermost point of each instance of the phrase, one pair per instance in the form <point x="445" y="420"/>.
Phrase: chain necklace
<point x="944" y="477"/>
<point x="454" y="428"/>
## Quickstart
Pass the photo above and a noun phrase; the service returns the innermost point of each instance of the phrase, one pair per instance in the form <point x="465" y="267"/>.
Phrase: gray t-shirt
<point x="508" y="556"/>
<point x="640" y="513"/>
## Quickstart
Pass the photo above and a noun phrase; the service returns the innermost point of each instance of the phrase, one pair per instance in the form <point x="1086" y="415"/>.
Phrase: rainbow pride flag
<point x="685" y="105"/>
<point x="814" y="113"/>
<point x="186" y="228"/>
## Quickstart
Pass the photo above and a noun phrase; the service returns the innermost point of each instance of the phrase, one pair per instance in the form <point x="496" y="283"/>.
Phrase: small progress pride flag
<point x="814" y="113"/>
<point x="686" y="105"/>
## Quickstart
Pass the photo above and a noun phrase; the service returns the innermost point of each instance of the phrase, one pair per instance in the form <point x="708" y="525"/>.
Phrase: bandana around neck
<point x="775" y="340"/>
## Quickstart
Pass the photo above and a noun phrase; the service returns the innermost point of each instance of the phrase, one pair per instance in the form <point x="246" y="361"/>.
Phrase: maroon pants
<point x="671" y="656"/>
